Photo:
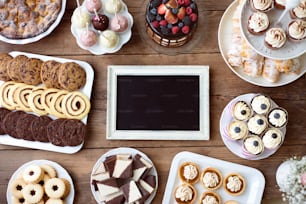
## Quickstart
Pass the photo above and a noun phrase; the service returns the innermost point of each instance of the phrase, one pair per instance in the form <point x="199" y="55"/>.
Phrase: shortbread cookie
<point x="16" y="187"/>
<point x="71" y="76"/>
<point x="18" y="200"/>
<point x="9" y="123"/>
<point x="44" y="180"/>
<point x="21" y="96"/>
<point x="33" y="193"/>
<point x="23" y="127"/>
<point x="13" y="67"/>
<point x="49" y="170"/>
<point x="76" y="105"/>
<point x="30" y="71"/>
<point x="3" y="113"/>
<point x="4" y="59"/>
<point x="46" y="98"/>
<point x="57" y="103"/>
<point x="49" y="73"/>
<point x="54" y="201"/>
<point x="4" y="90"/>
<point x="55" y="188"/>
<point x="67" y="186"/>
<point x="73" y="132"/>
<point x="53" y="133"/>
<point x="33" y="174"/>
<point x="39" y="128"/>
<point x="35" y="101"/>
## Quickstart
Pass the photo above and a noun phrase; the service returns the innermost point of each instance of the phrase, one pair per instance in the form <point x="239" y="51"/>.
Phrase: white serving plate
<point x="288" y="51"/>
<point x="224" y="41"/>
<point x="87" y="89"/>
<point x="40" y="36"/>
<point x="255" y="181"/>
<point x="236" y="146"/>
<point x="124" y="37"/>
<point x="61" y="173"/>
<point x="124" y="150"/>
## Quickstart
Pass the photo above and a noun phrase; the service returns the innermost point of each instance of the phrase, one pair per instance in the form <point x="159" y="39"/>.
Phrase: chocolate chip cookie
<point x="49" y="73"/>
<point x="4" y="59"/>
<point x="13" y="67"/>
<point x="30" y="71"/>
<point x="71" y="76"/>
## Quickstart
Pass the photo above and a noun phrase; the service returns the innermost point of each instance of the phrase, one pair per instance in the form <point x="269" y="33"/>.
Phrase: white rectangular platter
<point x="141" y="70"/>
<point x="255" y="181"/>
<point x="87" y="89"/>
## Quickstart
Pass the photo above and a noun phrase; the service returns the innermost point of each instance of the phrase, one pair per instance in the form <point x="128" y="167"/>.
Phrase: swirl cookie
<point x="71" y="76"/>
<point x="46" y="98"/>
<point x="3" y="113"/>
<point x="35" y="101"/>
<point x="49" y="73"/>
<point x="4" y="59"/>
<point x="11" y="95"/>
<point x="30" y="71"/>
<point x="5" y="88"/>
<point x="39" y="128"/>
<point x="76" y="105"/>
<point x="73" y="132"/>
<point x="23" y="127"/>
<point x="13" y="67"/>
<point x="57" y="103"/>
<point x="21" y="96"/>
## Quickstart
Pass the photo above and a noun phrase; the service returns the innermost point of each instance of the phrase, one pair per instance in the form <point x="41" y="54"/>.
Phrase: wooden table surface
<point x="224" y="86"/>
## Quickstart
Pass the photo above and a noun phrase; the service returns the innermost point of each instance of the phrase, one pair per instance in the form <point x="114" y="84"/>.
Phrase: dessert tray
<point x="290" y="49"/>
<point x="87" y="89"/>
<point x="40" y="36"/>
<point x="124" y="37"/>
<point x="61" y="173"/>
<point x="124" y="151"/>
<point x="255" y="181"/>
<point x="224" y="41"/>
<point x="236" y="146"/>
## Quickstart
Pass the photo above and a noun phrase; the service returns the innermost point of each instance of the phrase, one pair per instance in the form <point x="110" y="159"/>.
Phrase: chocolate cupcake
<point x="209" y="197"/>
<point x="275" y="38"/>
<point x="234" y="184"/>
<point x="257" y="124"/>
<point x="185" y="194"/>
<point x="297" y="30"/>
<point x="211" y="178"/>
<point x="260" y="5"/>
<point x="261" y="104"/>
<point x="252" y="146"/>
<point x="272" y="138"/>
<point x="278" y="117"/>
<point x="189" y="172"/>
<point x="241" y="111"/>
<point x="258" y="23"/>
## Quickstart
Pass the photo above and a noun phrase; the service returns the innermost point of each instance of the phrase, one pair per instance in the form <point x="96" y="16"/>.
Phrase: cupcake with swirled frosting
<point x="299" y="11"/>
<point x="211" y="178"/>
<point x="252" y="146"/>
<point x="236" y="130"/>
<point x="261" y="104"/>
<point x="278" y="117"/>
<point x="258" y="23"/>
<point x="297" y="30"/>
<point x="210" y="197"/>
<point x="189" y="172"/>
<point x="280" y="4"/>
<point x="234" y="184"/>
<point x="185" y="194"/>
<point x="275" y="38"/>
<point x="241" y="111"/>
<point x="272" y="138"/>
<point x="261" y="5"/>
<point x="257" y="124"/>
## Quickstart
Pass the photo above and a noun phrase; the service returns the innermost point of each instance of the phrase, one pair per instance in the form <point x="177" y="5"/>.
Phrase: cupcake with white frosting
<point x="297" y="30"/>
<point x="185" y="194"/>
<point x="261" y="104"/>
<point x="211" y="178"/>
<point x="210" y="197"/>
<point x="261" y="5"/>
<point x="275" y="38"/>
<point x="278" y="117"/>
<point x="189" y="172"/>
<point x="272" y="138"/>
<point x="280" y="4"/>
<point x="258" y="23"/>
<point x="237" y="130"/>
<point x="234" y="184"/>
<point x="299" y="11"/>
<point x="257" y="124"/>
<point x="241" y="111"/>
<point x="252" y="146"/>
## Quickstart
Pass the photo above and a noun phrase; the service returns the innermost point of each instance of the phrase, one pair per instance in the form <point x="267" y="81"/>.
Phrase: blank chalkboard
<point x="155" y="102"/>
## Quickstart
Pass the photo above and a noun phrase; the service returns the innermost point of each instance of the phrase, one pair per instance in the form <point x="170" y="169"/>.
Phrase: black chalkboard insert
<point x="158" y="103"/>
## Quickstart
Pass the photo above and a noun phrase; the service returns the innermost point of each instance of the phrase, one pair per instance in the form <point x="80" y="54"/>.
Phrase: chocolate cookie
<point x="30" y="71"/>
<point x="39" y="128"/>
<point x="49" y="74"/>
<point x="10" y="121"/>
<point x="4" y="59"/>
<point x="71" y="76"/>
<point x="23" y="127"/>
<point x="3" y="113"/>
<point x="53" y="133"/>
<point x="13" y="67"/>
<point x="73" y="132"/>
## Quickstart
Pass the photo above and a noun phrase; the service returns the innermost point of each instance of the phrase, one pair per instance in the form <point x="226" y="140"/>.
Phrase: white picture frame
<point x="142" y="70"/>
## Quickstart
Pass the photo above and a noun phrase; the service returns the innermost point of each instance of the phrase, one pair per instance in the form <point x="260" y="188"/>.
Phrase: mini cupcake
<point x="258" y="23"/>
<point x="211" y="178"/>
<point x="237" y="130"/>
<point x="185" y="194"/>
<point x="272" y="138"/>
<point x="257" y="124"/>
<point x="299" y="11"/>
<point x="296" y="30"/>
<point x="261" y="104"/>
<point x="210" y="197"/>
<point x="241" y="111"/>
<point x="252" y="146"/>
<point x="278" y="117"/>
<point x="261" y="5"/>
<point x="280" y="4"/>
<point x="231" y="202"/>
<point x="275" y="38"/>
<point x="234" y="184"/>
<point x="189" y="172"/>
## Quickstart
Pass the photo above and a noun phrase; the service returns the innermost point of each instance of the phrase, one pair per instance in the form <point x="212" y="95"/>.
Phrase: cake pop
<point x="88" y="37"/>
<point x="80" y="18"/>
<point x="100" y="21"/>
<point x="108" y="39"/>
<point x="92" y="5"/>
<point x="113" y="6"/>
<point x="119" y="23"/>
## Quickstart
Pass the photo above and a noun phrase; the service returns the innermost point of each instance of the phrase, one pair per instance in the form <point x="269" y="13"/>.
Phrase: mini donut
<point x="55" y="188"/>
<point x="16" y="200"/>
<point x="21" y="96"/>
<point x="49" y="170"/>
<point x="76" y="105"/>
<point x="56" y="104"/>
<point x="33" y="193"/>
<point x="16" y="187"/>
<point x="32" y="174"/>
<point x="46" y="98"/>
<point x="35" y="102"/>
<point x="4" y="90"/>
<point x="54" y="201"/>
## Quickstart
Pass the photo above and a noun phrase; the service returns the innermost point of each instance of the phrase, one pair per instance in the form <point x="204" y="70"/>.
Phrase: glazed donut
<point x="16" y="187"/>
<point x="21" y="96"/>
<point x="46" y="98"/>
<point x="54" y="201"/>
<point x="4" y="90"/>
<point x="55" y="188"/>
<point x="32" y="174"/>
<point x="33" y="193"/>
<point x="49" y="170"/>
<point x="56" y="104"/>
<point x="34" y="101"/>
<point x="76" y="105"/>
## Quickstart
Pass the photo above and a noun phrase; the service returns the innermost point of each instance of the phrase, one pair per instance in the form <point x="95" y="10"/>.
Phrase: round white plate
<point x="224" y="41"/>
<point x="288" y="51"/>
<point x="236" y="146"/>
<point x="124" y="150"/>
<point x="40" y="36"/>
<point x="124" y="37"/>
<point x="61" y="173"/>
